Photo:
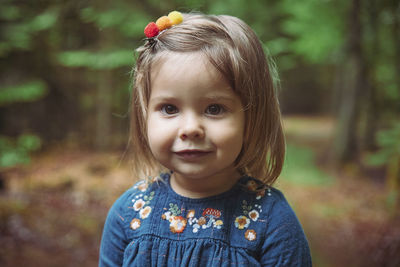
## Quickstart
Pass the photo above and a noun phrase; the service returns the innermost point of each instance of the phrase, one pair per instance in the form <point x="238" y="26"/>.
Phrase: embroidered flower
<point x="178" y="224"/>
<point x="166" y="215"/>
<point x="142" y="186"/>
<point x="218" y="224"/>
<point x="250" y="235"/>
<point x="260" y="194"/>
<point x="254" y="215"/>
<point x="202" y="221"/>
<point x="190" y="214"/>
<point x="135" y="224"/>
<point x="145" y="212"/>
<point x="251" y="185"/>
<point x="242" y="222"/>
<point x="138" y="205"/>
<point x="179" y="218"/>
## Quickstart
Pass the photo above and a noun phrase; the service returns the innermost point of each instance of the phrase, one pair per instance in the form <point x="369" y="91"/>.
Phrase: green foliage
<point x="315" y="28"/>
<point x="385" y="72"/>
<point x="97" y="60"/>
<point x="9" y="12"/>
<point x="20" y="30"/>
<point x="389" y="146"/>
<point x="127" y="21"/>
<point x="300" y="168"/>
<point x="16" y="151"/>
<point x="27" y="92"/>
<point x="43" y="21"/>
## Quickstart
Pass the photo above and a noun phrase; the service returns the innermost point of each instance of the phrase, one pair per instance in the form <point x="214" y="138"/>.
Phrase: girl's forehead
<point x="179" y="74"/>
<point x="177" y="64"/>
<point x="178" y="59"/>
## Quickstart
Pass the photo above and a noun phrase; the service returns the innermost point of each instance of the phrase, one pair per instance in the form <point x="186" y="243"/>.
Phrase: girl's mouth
<point x="192" y="153"/>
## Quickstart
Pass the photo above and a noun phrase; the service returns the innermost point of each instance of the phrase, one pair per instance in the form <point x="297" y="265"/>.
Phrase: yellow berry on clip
<point x="175" y="17"/>
<point x="163" y="23"/>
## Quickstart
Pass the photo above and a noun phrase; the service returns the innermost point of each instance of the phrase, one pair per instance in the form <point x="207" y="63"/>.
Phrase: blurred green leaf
<point x="120" y="18"/>
<point x="103" y="19"/>
<point x="29" y="142"/>
<point x="278" y="45"/>
<point x="389" y="146"/>
<point x="20" y="30"/>
<point x="12" y="158"/>
<point x="44" y="20"/>
<point x="9" y="12"/>
<point x="16" y="36"/>
<point x="27" y="92"/>
<point x="97" y="60"/>
<point x="386" y="75"/>
<point x="16" y="151"/>
<point x="300" y="167"/>
<point x="316" y="26"/>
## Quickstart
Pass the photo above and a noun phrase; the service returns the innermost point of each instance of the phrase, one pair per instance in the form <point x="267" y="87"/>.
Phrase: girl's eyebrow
<point x="162" y="98"/>
<point x="220" y="98"/>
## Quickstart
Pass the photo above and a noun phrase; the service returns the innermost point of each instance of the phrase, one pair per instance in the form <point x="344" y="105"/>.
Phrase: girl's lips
<point x="192" y="153"/>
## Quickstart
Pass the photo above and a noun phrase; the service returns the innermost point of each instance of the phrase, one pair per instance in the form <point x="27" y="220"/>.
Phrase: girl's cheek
<point x="160" y="131"/>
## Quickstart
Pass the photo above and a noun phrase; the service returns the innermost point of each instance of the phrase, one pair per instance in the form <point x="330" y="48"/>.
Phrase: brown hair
<point x="235" y="51"/>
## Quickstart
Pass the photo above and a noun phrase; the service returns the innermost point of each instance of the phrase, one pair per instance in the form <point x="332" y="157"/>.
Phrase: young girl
<point x="207" y="138"/>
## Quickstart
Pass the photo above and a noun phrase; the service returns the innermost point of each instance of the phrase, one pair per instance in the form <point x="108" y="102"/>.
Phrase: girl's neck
<point x="204" y="187"/>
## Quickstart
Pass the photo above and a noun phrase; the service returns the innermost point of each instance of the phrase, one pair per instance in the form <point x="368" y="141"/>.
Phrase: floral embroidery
<point x="218" y="223"/>
<point x="252" y="185"/>
<point x="254" y="215"/>
<point x="201" y="221"/>
<point x="177" y="223"/>
<point x="145" y="212"/>
<point x="242" y="222"/>
<point x="141" y="204"/>
<point x="135" y="224"/>
<point x="207" y="220"/>
<point x="138" y="204"/>
<point x="142" y="186"/>
<point x="190" y="214"/>
<point x="250" y="235"/>
<point x="260" y="194"/>
<point x="251" y="212"/>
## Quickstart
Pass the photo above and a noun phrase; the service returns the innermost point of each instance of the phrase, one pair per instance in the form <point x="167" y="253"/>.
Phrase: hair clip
<point x="165" y="22"/>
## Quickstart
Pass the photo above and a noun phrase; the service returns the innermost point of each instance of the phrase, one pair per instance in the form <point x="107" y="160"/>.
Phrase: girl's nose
<point x="191" y="128"/>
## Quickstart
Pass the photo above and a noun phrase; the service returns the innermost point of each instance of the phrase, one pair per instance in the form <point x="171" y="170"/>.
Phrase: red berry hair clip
<point x="165" y="22"/>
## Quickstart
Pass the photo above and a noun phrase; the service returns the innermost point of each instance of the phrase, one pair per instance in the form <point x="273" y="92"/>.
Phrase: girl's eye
<point x="169" y="109"/>
<point x="215" y="109"/>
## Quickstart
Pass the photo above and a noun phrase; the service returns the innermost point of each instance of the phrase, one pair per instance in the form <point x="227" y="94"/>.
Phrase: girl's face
<point x="195" y="121"/>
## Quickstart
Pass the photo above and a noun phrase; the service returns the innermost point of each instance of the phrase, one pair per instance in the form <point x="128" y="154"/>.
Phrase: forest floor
<point x="52" y="211"/>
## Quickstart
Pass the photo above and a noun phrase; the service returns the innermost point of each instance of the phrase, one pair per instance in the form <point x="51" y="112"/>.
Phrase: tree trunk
<point x="396" y="39"/>
<point x="354" y="71"/>
<point x="373" y="107"/>
<point x="103" y="109"/>
<point x="393" y="166"/>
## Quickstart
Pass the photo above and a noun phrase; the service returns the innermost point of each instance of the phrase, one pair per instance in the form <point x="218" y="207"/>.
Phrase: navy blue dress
<point x="249" y="225"/>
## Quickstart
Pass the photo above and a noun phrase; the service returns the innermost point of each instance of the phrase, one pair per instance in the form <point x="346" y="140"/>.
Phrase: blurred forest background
<point x="64" y="120"/>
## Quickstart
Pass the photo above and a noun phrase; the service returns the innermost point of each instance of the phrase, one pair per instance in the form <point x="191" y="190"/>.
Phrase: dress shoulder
<point x="284" y="243"/>
<point x="281" y="236"/>
<point x="115" y="237"/>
